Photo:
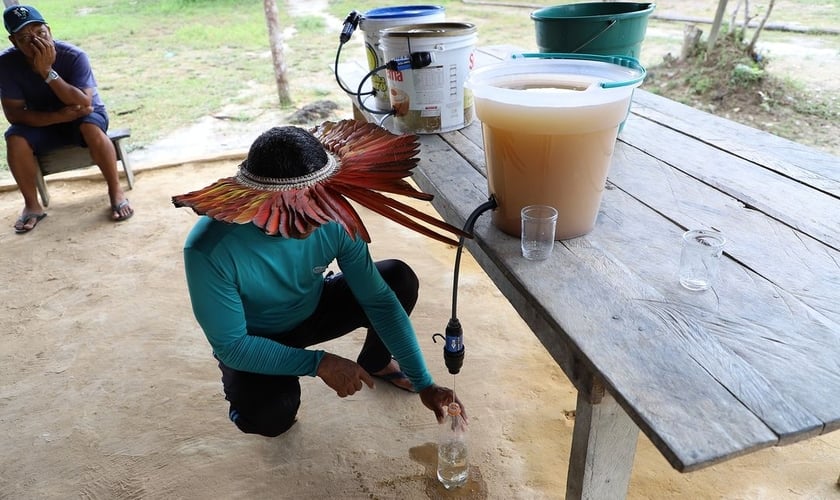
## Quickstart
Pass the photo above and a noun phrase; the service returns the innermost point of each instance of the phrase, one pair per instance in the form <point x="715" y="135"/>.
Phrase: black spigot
<point x="453" y="350"/>
<point x="350" y="23"/>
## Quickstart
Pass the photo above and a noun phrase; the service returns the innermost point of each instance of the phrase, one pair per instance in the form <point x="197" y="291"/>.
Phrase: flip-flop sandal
<point x="391" y="377"/>
<point x="24" y="219"/>
<point x="118" y="207"/>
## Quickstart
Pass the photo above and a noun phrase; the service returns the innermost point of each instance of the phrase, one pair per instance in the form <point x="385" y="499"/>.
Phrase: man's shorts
<point x="43" y="139"/>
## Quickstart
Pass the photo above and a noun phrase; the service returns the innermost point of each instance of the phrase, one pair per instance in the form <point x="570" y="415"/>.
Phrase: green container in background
<point x="604" y="28"/>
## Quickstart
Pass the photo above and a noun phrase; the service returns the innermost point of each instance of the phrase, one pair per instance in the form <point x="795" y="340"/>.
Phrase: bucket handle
<point x="610" y="25"/>
<point x="623" y="61"/>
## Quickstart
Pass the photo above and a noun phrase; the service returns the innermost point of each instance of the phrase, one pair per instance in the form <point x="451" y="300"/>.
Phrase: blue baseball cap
<point x="17" y="16"/>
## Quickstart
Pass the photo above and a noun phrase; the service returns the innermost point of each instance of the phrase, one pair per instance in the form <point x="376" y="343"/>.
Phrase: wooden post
<point x="603" y="448"/>
<point x="275" y="39"/>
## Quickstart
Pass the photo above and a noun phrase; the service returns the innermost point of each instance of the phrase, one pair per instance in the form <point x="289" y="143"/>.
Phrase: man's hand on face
<point x="345" y="377"/>
<point x="44" y="54"/>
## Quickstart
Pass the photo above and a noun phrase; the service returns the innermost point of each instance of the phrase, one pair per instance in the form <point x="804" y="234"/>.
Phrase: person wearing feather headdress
<point x="256" y="270"/>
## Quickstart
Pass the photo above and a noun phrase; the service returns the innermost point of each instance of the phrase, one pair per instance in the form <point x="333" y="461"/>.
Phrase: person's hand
<point x="342" y="375"/>
<point x="44" y="55"/>
<point x="74" y="112"/>
<point x="437" y="399"/>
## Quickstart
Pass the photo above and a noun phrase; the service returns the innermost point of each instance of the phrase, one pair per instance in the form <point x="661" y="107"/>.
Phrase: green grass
<point x="163" y="64"/>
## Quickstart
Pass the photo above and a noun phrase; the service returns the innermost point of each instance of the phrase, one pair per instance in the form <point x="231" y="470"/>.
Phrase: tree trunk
<point x="691" y="38"/>
<point x="733" y="23"/>
<point x="275" y="39"/>
<point x="751" y="47"/>
<point x="713" y="34"/>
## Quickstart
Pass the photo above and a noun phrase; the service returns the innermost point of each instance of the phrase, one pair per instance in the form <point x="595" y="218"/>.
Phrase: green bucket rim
<point x="639" y="9"/>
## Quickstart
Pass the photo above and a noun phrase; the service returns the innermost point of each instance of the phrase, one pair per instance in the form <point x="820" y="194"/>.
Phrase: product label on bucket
<point x="430" y="99"/>
<point x="377" y="81"/>
<point x="428" y="94"/>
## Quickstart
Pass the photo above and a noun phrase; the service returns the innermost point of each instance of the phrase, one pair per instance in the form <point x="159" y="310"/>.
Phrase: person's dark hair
<point x="284" y="152"/>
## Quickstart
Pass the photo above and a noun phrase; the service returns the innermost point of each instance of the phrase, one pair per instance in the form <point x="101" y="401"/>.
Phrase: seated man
<point x="49" y="97"/>
<point x="256" y="267"/>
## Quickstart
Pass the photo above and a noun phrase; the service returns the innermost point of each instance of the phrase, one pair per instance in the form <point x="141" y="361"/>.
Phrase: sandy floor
<point x="108" y="389"/>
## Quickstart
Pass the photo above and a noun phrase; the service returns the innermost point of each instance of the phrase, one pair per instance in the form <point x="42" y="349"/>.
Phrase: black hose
<point x="468" y="228"/>
<point x="453" y="348"/>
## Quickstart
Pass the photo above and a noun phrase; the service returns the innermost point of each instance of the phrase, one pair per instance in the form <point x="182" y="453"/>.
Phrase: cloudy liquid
<point x="550" y="156"/>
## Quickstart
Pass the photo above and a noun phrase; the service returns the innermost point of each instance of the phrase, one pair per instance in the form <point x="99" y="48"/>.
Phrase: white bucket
<point x="376" y="20"/>
<point x="430" y="99"/>
<point x="549" y="128"/>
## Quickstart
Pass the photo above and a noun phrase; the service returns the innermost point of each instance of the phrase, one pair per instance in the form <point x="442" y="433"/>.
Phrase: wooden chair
<point x="76" y="157"/>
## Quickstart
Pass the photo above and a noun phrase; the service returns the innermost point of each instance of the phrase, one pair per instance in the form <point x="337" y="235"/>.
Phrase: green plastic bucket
<point x="604" y="28"/>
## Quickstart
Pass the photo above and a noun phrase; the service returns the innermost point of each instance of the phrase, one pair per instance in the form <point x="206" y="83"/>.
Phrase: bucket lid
<point x="383" y="13"/>
<point x="426" y="30"/>
<point x="557" y="80"/>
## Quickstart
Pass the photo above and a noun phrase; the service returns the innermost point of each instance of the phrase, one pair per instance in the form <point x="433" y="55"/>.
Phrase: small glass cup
<point x="539" y="223"/>
<point x="700" y="258"/>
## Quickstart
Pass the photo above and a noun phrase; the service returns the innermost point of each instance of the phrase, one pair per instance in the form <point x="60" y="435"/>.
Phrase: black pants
<point x="267" y="404"/>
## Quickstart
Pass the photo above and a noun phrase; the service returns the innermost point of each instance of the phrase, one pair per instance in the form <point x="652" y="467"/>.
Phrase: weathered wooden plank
<point x="796" y="263"/>
<point x="494" y="53"/>
<point x="599" y="307"/>
<point x="796" y="204"/>
<point x="807" y="165"/>
<point x="794" y="423"/>
<point x="628" y="281"/>
<point x="76" y="157"/>
<point x="474" y="134"/>
<point x="464" y="142"/>
<point x="789" y="335"/>
<point x="742" y="314"/>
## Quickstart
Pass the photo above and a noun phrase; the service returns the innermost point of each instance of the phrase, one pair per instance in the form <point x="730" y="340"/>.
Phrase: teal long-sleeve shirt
<point x="243" y="281"/>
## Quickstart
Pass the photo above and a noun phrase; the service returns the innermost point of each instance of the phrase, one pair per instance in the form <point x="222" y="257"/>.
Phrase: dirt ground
<point x="108" y="389"/>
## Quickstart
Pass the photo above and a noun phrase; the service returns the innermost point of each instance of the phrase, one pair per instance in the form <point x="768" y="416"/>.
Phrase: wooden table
<point x="707" y="376"/>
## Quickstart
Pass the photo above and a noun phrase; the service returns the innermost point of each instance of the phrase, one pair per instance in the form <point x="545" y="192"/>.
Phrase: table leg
<point x="603" y="448"/>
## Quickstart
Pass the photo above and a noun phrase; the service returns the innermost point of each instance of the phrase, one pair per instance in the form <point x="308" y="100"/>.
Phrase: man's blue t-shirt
<point x="18" y="81"/>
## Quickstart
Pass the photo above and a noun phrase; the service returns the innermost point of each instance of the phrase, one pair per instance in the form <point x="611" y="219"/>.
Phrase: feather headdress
<point x="363" y="161"/>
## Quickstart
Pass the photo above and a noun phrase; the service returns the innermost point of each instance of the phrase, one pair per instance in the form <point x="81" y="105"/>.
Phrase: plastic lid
<point x="404" y="11"/>
<point x="454" y="409"/>
<point x="429" y="30"/>
<point x="557" y="80"/>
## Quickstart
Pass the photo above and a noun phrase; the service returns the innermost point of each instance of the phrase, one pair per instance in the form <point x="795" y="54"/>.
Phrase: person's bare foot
<point x="392" y="374"/>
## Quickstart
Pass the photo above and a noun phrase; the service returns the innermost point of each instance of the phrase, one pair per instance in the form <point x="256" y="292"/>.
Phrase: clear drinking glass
<point x="700" y="258"/>
<point x="539" y="223"/>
